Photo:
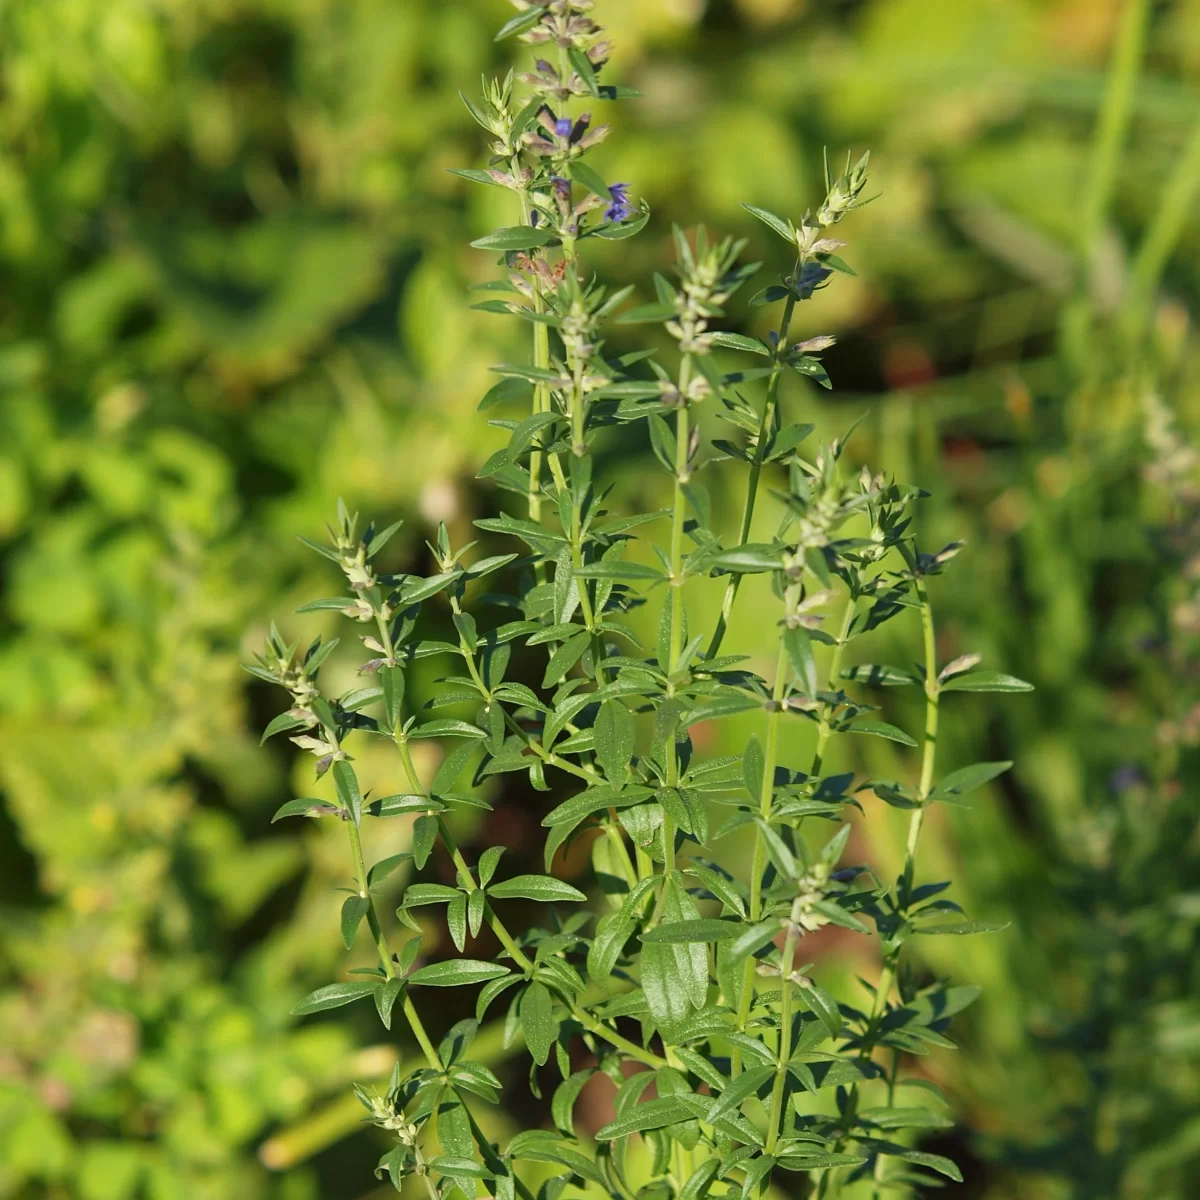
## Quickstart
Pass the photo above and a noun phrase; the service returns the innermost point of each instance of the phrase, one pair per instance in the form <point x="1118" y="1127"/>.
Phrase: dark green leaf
<point x="535" y="887"/>
<point x="516" y="237"/>
<point x="354" y="908"/>
<point x="880" y="729"/>
<point x="653" y="1114"/>
<point x="333" y="996"/>
<point x="967" y="779"/>
<point x="346" y="782"/>
<point x="305" y="806"/>
<point x="385" y="999"/>
<point x="985" y="681"/>
<point x="781" y="227"/>
<point x="425" y="831"/>
<point x="457" y="972"/>
<point x="698" y="929"/>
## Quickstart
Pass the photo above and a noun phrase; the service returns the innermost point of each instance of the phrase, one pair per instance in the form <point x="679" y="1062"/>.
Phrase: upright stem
<point x="928" y="764"/>
<point x="679" y="516"/>
<point x="541" y="359"/>
<point x="835" y="672"/>
<point x="675" y="641"/>
<point x="776" y="1115"/>
<point x="385" y="955"/>
<point x="1162" y="236"/>
<point x="756" y="465"/>
<point x="766" y="794"/>
<point x="1115" y="115"/>
<point x="929" y="749"/>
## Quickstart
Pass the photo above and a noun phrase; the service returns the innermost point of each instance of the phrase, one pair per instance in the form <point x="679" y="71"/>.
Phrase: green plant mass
<point x="623" y="824"/>
<point x="735" y="1064"/>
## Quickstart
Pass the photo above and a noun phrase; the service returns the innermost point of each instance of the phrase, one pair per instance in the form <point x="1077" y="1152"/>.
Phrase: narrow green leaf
<point x="516" y="237"/>
<point x="985" y="681"/>
<point x="698" y="929"/>
<point x="305" y="806"/>
<point x="354" y="908"/>
<point x="536" y="1009"/>
<point x="349" y="793"/>
<point x="825" y="1006"/>
<point x="281" y="724"/>
<point x="967" y="779"/>
<point x="535" y="887"/>
<point x="457" y="972"/>
<point x="333" y="996"/>
<point x="781" y="227"/>
<point x="385" y="999"/>
<point x="425" y="832"/>
<point x="653" y="1114"/>
<point x="880" y="729"/>
<point x="740" y="1090"/>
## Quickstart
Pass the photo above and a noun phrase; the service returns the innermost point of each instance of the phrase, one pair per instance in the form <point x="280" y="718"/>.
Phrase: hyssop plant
<point x="695" y="977"/>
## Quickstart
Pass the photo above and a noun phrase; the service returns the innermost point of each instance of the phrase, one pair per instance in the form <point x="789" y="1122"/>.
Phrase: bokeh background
<point x="234" y="273"/>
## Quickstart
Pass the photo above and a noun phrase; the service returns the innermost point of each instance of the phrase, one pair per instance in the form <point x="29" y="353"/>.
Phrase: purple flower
<point x="533" y="218"/>
<point x="562" y="126"/>
<point x="562" y="188"/>
<point x="621" y="209"/>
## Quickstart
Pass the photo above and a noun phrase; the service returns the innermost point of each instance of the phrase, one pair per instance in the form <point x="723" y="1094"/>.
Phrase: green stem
<point x="766" y="795"/>
<point x="678" y="518"/>
<point x="756" y="466"/>
<point x="929" y="749"/>
<point x="1161" y="238"/>
<point x="887" y="977"/>
<point x="835" y="671"/>
<point x="1115" y="115"/>
<point x="541" y="394"/>
<point x="776" y="1115"/>
<point x="385" y="956"/>
<point x="488" y="1153"/>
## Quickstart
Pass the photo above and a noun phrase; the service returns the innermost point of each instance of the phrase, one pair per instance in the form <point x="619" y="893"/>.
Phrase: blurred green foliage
<point x="235" y="289"/>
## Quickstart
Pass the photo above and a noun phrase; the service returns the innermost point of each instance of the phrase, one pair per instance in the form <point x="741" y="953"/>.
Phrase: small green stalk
<point x="766" y="795"/>
<point x="385" y="956"/>
<point x="835" y="674"/>
<point x="776" y="1114"/>
<point x="756" y="466"/>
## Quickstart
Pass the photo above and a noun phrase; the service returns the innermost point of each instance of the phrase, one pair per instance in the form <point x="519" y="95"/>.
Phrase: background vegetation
<point x="235" y="277"/>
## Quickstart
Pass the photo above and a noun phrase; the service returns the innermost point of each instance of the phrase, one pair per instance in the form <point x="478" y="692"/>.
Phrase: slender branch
<point x="776" y="1114"/>
<point x="756" y="466"/>
<point x="835" y="671"/>
<point x="766" y="794"/>
<point x="1115" y="115"/>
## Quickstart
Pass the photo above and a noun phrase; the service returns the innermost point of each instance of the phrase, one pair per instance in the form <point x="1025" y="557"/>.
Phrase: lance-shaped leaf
<point x="967" y="779"/>
<point x="653" y="1114"/>
<point x="515" y="237"/>
<point x="333" y="996"/>
<point x="349" y="793"/>
<point x="305" y="806"/>
<point x="985" y="681"/>
<point x="740" y="1090"/>
<point x="778" y="224"/>
<point x="457" y="972"/>
<point x="698" y="929"/>
<point x="353" y="910"/>
<point x="535" y="887"/>
<point x="536" y="1011"/>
